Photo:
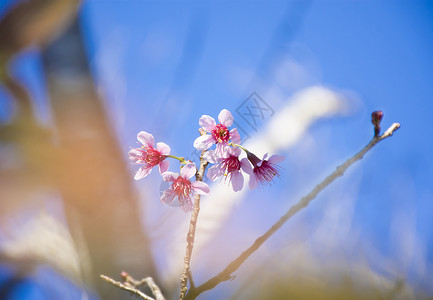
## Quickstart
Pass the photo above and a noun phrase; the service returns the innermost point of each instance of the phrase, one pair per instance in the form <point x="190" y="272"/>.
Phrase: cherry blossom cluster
<point x="225" y="159"/>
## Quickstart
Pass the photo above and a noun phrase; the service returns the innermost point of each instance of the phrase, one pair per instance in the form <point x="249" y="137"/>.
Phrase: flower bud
<point x="124" y="275"/>
<point x="376" y="118"/>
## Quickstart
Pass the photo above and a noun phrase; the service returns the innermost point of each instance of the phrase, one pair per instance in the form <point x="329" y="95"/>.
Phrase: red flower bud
<point x="376" y="118"/>
<point x="124" y="275"/>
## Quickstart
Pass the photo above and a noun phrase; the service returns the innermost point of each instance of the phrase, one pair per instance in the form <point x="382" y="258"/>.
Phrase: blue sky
<point x="161" y="65"/>
<point x="178" y="60"/>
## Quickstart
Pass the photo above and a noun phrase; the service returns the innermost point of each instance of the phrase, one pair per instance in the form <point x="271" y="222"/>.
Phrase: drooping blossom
<point x="149" y="156"/>
<point x="228" y="165"/>
<point x="219" y="133"/>
<point x="263" y="170"/>
<point x="182" y="190"/>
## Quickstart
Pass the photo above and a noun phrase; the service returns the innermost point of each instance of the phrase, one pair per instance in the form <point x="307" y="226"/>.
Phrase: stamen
<point x="220" y="133"/>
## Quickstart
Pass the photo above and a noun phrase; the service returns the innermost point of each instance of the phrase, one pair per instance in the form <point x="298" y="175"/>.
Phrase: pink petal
<point x="207" y="123"/>
<point x="234" y="136"/>
<point x="163" y="148"/>
<point x="234" y="151"/>
<point x="187" y="205"/>
<point x="225" y="117"/>
<point x="253" y="181"/>
<point x="224" y="150"/>
<point x="210" y="156"/>
<point x="167" y="197"/>
<point x="263" y="159"/>
<point x="146" y="139"/>
<point x="142" y="172"/>
<point x="163" y="166"/>
<point x="214" y="172"/>
<point x="188" y="170"/>
<point x="169" y="176"/>
<point x="135" y="154"/>
<point x="203" y="142"/>
<point x="275" y="159"/>
<point x="237" y="181"/>
<point x="246" y="166"/>
<point x="200" y="188"/>
<point x="220" y="150"/>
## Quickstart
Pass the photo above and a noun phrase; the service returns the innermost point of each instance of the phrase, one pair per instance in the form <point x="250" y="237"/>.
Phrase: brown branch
<point x="130" y="284"/>
<point x="226" y="274"/>
<point x="156" y="291"/>
<point x="126" y="287"/>
<point x="191" y="233"/>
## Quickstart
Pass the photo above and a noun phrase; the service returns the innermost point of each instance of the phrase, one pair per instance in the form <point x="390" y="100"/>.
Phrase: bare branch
<point x="226" y="274"/>
<point x="125" y="287"/>
<point x="191" y="233"/>
<point x="150" y="283"/>
<point x="155" y="288"/>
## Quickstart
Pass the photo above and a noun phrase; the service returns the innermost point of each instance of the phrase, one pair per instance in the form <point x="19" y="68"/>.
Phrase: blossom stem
<point x="241" y="147"/>
<point x="181" y="159"/>
<point x="190" y="237"/>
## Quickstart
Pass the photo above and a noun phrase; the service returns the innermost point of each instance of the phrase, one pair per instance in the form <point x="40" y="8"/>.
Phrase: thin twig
<point x="125" y="287"/>
<point x="151" y="284"/>
<point x="235" y="264"/>
<point x="191" y="233"/>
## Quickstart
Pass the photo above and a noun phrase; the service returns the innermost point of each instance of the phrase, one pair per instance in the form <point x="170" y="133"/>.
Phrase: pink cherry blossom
<point x="148" y="156"/>
<point x="219" y="133"/>
<point x="182" y="188"/>
<point x="263" y="170"/>
<point x="228" y="165"/>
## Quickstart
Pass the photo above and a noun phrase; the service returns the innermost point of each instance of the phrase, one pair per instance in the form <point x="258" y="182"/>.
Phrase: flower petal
<point x="163" y="148"/>
<point x="259" y="164"/>
<point x="234" y="151"/>
<point x="169" y="176"/>
<point x="135" y="154"/>
<point x="142" y="172"/>
<point x="168" y="196"/>
<point x="203" y="142"/>
<point x="225" y="150"/>
<point x="225" y="117"/>
<point x="188" y="170"/>
<point x="187" y="206"/>
<point x="214" y="172"/>
<point x="253" y="181"/>
<point x="207" y="123"/>
<point x="237" y="181"/>
<point x="146" y="139"/>
<point x="275" y="159"/>
<point x="210" y="156"/>
<point x="246" y="166"/>
<point x="200" y="188"/>
<point x="220" y="150"/>
<point x="234" y="136"/>
<point x="163" y="166"/>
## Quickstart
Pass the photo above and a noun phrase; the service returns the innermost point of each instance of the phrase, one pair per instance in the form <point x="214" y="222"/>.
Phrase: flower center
<point x="220" y="133"/>
<point x="266" y="172"/>
<point x="152" y="156"/>
<point x="181" y="187"/>
<point x="231" y="164"/>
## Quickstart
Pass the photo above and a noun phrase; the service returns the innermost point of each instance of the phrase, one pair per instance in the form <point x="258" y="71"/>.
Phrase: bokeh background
<point x="81" y="78"/>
